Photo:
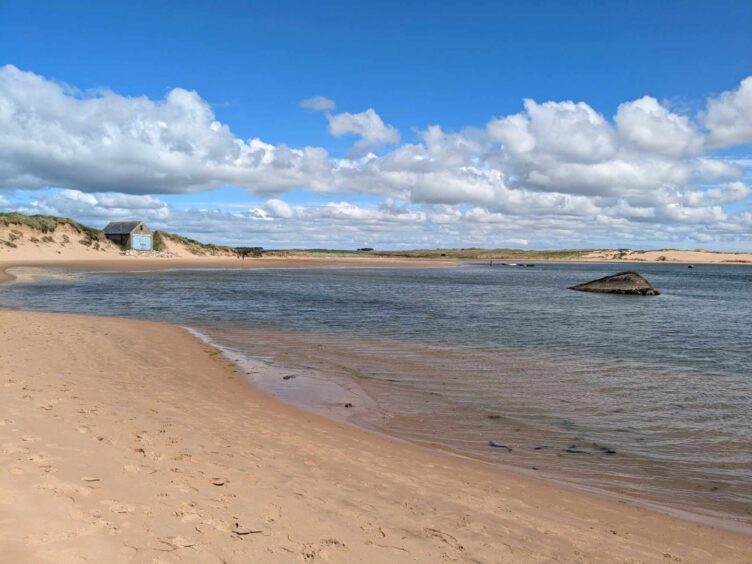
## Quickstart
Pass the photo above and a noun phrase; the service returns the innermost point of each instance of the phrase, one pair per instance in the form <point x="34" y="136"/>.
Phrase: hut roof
<point x="121" y="227"/>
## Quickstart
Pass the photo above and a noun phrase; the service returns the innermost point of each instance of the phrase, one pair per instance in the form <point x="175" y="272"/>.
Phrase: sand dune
<point x="130" y="441"/>
<point x="670" y="255"/>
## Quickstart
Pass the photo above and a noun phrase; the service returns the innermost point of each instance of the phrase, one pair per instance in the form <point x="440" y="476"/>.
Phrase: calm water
<point x="647" y="396"/>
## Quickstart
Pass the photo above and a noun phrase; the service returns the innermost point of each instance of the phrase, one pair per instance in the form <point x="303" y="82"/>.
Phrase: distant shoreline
<point x="136" y="263"/>
<point x="130" y="264"/>
<point x="32" y="239"/>
<point x="353" y="260"/>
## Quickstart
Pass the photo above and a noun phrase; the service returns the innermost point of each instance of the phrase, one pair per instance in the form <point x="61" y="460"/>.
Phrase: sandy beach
<point x="334" y="283"/>
<point x="34" y="267"/>
<point x="131" y="441"/>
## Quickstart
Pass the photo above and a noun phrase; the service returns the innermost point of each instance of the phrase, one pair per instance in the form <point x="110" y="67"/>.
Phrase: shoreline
<point x="366" y="414"/>
<point x="50" y="268"/>
<point x="464" y="509"/>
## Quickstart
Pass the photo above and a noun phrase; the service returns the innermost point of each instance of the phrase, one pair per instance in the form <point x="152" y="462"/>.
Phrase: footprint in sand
<point x="117" y="507"/>
<point x="188" y="515"/>
<point x="12" y="448"/>
<point x="47" y="405"/>
<point x="444" y="538"/>
<point x="64" y="489"/>
<point x="40" y="458"/>
<point x="141" y="437"/>
<point x="321" y="549"/>
<point x="175" y="543"/>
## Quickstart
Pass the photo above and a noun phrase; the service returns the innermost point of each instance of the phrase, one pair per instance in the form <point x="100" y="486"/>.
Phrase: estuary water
<point x="649" y="397"/>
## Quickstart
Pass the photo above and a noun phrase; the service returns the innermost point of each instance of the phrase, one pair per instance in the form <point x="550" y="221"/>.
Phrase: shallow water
<point x="648" y="396"/>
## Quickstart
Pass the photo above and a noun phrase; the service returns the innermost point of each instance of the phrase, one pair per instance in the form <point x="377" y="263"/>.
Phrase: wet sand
<point x="131" y="441"/>
<point x="457" y="399"/>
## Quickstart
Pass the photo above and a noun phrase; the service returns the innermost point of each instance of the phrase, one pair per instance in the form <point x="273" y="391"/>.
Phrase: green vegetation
<point x="314" y="253"/>
<point x="158" y="242"/>
<point x="466" y="254"/>
<point x="48" y="224"/>
<point x="488" y="254"/>
<point x="193" y="246"/>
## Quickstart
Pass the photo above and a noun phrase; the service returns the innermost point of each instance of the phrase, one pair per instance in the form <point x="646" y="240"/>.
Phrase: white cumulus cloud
<point x="556" y="170"/>
<point x="52" y="136"/>
<point x="729" y="116"/>
<point x="651" y="127"/>
<point x="318" y="103"/>
<point x="367" y="125"/>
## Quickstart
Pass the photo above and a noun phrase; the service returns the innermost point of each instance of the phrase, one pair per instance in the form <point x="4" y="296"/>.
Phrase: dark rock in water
<point x="622" y="283"/>
<point x="348" y="405"/>
<point x="498" y="445"/>
<point x="288" y="377"/>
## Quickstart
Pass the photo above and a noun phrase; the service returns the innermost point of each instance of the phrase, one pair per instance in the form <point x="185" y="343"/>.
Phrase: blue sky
<point x="416" y="65"/>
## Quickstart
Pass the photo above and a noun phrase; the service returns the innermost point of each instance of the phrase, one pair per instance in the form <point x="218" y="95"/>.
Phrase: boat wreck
<point x="621" y="283"/>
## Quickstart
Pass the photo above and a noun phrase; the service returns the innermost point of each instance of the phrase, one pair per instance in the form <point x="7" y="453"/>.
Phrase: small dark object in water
<point x="494" y="416"/>
<point x="621" y="283"/>
<point x="690" y="266"/>
<point x="529" y="265"/>
<point x="540" y="447"/>
<point x="574" y="449"/>
<point x="498" y="445"/>
<point x="348" y="405"/>
<point x="288" y="377"/>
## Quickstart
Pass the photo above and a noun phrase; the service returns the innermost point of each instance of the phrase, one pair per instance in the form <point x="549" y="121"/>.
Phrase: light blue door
<point x="141" y="243"/>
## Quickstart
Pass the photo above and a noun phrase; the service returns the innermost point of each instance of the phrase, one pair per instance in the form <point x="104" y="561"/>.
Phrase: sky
<point x="384" y="124"/>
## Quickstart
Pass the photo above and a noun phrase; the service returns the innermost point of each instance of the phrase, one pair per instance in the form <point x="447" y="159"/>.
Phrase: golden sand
<point x="131" y="441"/>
